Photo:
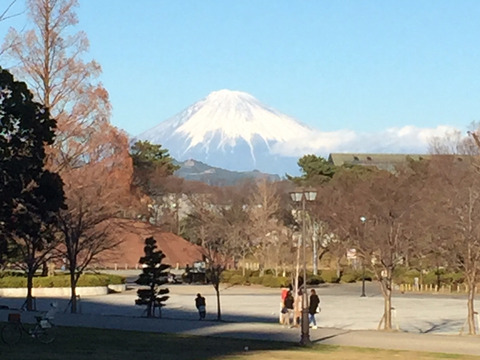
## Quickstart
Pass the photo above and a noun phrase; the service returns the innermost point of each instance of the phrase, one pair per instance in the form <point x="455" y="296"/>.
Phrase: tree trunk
<point x="297" y="267"/>
<point x="388" y="311"/>
<point x="315" y="251"/>
<point x="44" y="268"/>
<point x="386" y="286"/>
<point x="73" y="296"/>
<point x="151" y="303"/>
<point x="243" y="265"/>
<point x="149" y="309"/>
<point x="471" y="310"/>
<point x="219" y="312"/>
<point x="339" y="268"/>
<point x="29" y="299"/>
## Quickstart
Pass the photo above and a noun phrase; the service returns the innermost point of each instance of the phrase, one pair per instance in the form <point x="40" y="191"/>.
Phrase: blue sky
<point x="338" y="66"/>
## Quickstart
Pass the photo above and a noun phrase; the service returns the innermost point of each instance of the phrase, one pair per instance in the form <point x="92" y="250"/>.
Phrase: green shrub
<point x="267" y="280"/>
<point x="237" y="280"/>
<point x="275" y="281"/>
<point x="369" y="275"/>
<point x="13" y="282"/>
<point x="226" y="275"/>
<point x="61" y="280"/>
<point x="314" y="280"/>
<point x="454" y="278"/>
<point x="51" y="281"/>
<point x="255" y="280"/>
<point x="446" y="278"/>
<point x="115" y="279"/>
<point x="349" y="277"/>
<point x="431" y="278"/>
<point x="329" y="276"/>
<point x="9" y="273"/>
<point x="401" y="275"/>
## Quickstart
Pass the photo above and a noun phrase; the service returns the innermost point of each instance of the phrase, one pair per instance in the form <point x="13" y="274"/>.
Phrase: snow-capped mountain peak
<point x="218" y="126"/>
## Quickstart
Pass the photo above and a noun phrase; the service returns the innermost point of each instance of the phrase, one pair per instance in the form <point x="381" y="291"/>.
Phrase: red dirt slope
<point x="179" y="252"/>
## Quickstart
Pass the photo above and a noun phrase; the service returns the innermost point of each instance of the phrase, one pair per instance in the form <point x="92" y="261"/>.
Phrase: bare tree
<point x="218" y="247"/>
<point x="6" y="13"/>
<point x="264" y="210"/>
<point x="96" y="193"/>
<point x="455" y="195"/>
<point x="386" y="202"/>
<point x="50" y="62"/>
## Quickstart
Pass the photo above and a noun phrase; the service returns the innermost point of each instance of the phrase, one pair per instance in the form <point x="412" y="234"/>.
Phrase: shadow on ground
<point x="123" y="333"/>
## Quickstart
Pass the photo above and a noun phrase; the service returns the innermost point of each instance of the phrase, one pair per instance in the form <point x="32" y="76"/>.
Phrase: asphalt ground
<point x="424" y="322"/>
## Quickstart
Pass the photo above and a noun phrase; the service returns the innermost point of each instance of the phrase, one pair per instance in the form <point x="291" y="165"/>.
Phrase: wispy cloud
<point x="407" y="139"/>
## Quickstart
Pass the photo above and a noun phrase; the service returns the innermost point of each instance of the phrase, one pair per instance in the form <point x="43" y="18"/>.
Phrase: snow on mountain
<point x="231" y="130"/>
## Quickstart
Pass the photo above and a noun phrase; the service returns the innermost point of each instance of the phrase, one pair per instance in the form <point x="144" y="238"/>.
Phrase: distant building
<point x="381" y="161"/>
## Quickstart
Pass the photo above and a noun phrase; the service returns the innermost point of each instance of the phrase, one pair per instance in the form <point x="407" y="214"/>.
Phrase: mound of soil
<point x="132" y="234"/>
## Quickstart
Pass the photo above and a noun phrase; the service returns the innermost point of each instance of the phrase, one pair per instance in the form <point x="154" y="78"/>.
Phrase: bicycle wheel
<point x="11" y="333"/>
<point x="45" y="336"/>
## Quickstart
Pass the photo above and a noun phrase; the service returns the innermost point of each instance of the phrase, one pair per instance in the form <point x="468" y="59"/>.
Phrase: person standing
<point x="200" y="304"/>
<point x="298" y="307"/>
<point x="282" y="306"/>
<point x="288" y="308"/>
<point x="313" y="308"/>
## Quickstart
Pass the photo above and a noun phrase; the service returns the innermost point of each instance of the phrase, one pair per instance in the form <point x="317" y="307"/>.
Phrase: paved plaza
<point x="425" y="322"/>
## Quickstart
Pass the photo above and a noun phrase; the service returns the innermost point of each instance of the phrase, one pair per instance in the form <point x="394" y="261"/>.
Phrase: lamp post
<point x="303" y="196"/>
<point x="363" y="219"/>
<point x="315" y="248"/>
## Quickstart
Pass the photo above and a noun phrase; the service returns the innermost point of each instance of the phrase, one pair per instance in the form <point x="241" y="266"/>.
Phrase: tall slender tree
<point x="51" y="62"/>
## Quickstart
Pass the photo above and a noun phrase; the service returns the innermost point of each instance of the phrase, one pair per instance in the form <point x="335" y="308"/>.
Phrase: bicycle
<point x="43" y="330"/>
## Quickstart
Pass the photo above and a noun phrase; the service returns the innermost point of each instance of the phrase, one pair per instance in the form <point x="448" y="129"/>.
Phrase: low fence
<point x="430" y="288"/>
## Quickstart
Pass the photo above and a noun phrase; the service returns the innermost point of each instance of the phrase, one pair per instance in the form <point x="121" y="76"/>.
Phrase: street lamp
<point x="303" y="196"/>
<point x="363" y="219"/>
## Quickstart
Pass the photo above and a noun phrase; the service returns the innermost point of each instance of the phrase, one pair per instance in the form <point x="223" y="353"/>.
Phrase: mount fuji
<point x="231" y="130"/>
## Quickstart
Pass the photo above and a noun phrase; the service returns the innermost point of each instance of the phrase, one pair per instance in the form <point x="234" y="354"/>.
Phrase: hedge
<point x="402" y="275"/>
<point x="19" y="280"/>
<point x="315" y="280"/>
<point x="329" y="276"/>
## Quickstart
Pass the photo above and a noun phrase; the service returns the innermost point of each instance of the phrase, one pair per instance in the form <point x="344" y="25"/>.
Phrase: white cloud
<point x="407" y="139"/>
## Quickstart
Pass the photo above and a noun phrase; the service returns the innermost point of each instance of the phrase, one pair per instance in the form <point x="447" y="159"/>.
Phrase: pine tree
<point x="153" y="275"/>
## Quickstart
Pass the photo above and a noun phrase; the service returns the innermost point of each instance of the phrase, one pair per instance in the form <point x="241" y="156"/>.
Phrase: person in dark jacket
<point x="200" y="304"/>
<point x="288" y="308"/>
<point x="313" y="308"/>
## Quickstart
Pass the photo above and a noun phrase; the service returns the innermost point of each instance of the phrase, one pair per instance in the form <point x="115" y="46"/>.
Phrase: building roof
<point x="380" y="161"/>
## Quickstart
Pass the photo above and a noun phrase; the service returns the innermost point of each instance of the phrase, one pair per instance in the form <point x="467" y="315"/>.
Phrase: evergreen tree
<point x="149" y="156"/>
<point x="315" y="170"/>
<point x="30" y="195"/>
<point x="153" y="275"/>
<point x="151" y="166"/>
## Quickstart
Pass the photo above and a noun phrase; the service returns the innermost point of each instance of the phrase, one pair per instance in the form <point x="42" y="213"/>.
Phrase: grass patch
<point x="84" y="343"/>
